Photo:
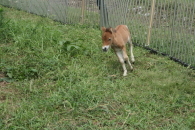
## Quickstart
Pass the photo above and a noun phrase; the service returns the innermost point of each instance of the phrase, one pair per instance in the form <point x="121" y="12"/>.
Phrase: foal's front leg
<point x="119" y="54"/>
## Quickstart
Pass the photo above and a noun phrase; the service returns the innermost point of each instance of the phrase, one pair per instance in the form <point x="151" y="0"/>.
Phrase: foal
<point x="117" y="39"/>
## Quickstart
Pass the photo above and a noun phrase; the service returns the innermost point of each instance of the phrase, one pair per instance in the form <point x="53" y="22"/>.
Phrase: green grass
<point x="58" y="78"/>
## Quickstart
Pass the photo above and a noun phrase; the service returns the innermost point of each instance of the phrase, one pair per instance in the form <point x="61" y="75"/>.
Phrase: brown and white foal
<point x="117" y="39"/>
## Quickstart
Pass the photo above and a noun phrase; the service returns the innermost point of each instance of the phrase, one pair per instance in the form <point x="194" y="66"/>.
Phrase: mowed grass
<point x="55" y="76"/>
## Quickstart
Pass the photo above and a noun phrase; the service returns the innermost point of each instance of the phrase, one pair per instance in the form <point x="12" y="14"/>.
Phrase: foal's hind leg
<point x="126" y="58"/>
<point x="131" y="50"/>
<point x="119" y="54"/>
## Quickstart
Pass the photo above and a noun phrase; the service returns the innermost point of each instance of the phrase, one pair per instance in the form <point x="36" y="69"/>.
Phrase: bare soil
<point x="3" y="83"/>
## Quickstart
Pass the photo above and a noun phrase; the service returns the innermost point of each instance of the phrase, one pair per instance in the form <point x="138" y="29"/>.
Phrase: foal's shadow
<point x="115" y="67"/>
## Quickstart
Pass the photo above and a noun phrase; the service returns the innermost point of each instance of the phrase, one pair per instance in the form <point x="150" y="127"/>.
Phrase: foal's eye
<point x="109" y="39"/>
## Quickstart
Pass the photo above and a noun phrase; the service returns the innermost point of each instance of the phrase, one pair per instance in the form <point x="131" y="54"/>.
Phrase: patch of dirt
<point x="3" y="83"/>
<point x="3" y="86"/>
<point x="2" y="75"/>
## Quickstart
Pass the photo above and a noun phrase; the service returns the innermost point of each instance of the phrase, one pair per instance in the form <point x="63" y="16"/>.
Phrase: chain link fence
<point x="165" y="26"/>
<point x="65" y="11"/>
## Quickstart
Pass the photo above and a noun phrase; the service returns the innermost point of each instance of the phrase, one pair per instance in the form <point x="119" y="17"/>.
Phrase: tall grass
<point x="60" y="79"/>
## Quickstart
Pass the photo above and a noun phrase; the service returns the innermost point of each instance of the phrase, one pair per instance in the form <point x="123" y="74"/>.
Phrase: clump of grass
<point x="1" y="16"/>
<point x="38" y="47"/>
<point x="64" y="81"/>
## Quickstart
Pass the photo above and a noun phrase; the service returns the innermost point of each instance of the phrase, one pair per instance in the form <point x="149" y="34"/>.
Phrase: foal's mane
<point x="110" y="29"/>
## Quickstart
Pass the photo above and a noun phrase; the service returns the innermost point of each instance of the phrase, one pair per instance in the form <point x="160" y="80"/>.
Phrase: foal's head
<point x="107" y="38"/>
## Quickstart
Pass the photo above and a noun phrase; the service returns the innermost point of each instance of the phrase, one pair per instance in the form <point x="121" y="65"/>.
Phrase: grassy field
<point x="55" y="76"/>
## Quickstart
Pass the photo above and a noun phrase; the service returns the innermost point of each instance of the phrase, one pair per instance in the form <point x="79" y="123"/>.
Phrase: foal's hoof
<point x="124" y="74"/>
<point x="132" y="61"/>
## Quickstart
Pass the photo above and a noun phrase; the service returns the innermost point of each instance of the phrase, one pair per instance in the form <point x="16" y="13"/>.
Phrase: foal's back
<point x="122" y="33"/>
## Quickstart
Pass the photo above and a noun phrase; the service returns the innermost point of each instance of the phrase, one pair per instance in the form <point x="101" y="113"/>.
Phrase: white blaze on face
<point x="105" y="48"/>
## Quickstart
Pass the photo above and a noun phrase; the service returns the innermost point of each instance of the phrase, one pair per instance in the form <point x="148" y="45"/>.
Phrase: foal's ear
<point x="111" y="29"/>
<point x="103" y="29"/>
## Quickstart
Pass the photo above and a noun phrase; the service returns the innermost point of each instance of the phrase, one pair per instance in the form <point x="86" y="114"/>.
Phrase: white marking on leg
<point x="119" y="53"/>
<point x="126" y="58"/>
<point x="131" y="50"/>
<point x="131" y="53"/>
<point x="131" y="67"/>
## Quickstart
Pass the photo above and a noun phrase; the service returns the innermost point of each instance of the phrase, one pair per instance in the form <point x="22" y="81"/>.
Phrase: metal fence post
<point x="103" y="13"/>
<point x="151" y="22"/>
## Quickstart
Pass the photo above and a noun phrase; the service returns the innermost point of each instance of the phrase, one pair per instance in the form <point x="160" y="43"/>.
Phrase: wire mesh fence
<point x="165" y="26"/>
<point x="65" y="11"/>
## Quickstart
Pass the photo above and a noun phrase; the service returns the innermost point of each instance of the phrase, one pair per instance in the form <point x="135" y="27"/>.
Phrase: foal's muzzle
<point x="105" y="48"/>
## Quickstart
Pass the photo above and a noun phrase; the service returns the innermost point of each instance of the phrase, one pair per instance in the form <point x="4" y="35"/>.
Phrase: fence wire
<point x="65" y="11"/>
<point x="167" y="27"/>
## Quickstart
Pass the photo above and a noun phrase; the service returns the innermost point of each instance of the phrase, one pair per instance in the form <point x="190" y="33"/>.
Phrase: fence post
<point x="151" y="22"/>
<point x="83" y="11"/>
